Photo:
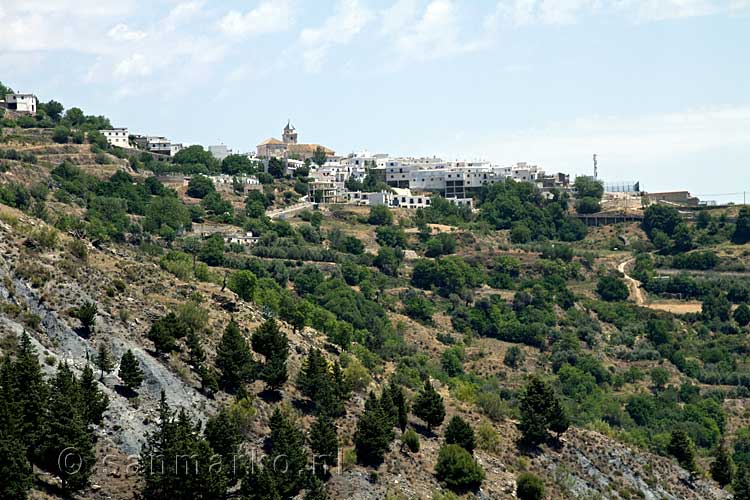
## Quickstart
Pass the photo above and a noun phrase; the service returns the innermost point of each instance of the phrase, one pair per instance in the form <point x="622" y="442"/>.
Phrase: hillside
<point x="478" y="305"/>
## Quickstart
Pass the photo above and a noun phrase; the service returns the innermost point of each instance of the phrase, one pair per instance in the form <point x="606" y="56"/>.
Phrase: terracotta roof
<point x="308" y="148"/>
<point x="270" y="140"/>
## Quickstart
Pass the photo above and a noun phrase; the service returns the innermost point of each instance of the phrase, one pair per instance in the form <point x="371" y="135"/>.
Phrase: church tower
<point x="290" y="134"/>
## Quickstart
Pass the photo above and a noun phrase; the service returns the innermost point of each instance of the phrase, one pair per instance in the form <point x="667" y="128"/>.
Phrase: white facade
<point x="117" y="137"/>
<point x="369" y="199"/>
<point x="25" y="103"/>
<point x="245" y="180"/>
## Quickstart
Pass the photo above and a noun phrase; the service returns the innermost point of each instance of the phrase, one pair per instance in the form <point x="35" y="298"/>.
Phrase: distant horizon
<point x="657" y="89"/>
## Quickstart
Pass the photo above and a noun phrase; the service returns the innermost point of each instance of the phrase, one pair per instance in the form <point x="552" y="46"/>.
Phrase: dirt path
<point x="633" y="284"/>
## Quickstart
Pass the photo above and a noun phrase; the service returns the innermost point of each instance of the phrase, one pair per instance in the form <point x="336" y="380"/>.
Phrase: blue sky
<point x="659" y="89"/>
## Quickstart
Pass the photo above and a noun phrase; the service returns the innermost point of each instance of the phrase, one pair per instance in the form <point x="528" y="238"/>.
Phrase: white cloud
<point x="436" y="34"/>
<point x="559" y="12"/>
<point x="398" y="16"/>
<point x="348" y="20"/>
<point x="135" y="64"/>
<point x="268" y="17"/>
<point x="658" y="10"/>
<point x="525" y="12"/>
<point x="122" y="33"/>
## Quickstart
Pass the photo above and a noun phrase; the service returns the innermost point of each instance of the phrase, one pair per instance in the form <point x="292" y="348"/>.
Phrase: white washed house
<point x="25" y="103"/>
<point x="117" y="137"/>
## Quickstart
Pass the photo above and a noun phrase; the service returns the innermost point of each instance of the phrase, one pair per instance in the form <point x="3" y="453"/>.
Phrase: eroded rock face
<point x="56" y="339"/>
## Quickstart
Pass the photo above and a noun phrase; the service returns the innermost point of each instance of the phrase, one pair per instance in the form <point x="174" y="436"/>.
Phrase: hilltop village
<point x="296" y="323"/>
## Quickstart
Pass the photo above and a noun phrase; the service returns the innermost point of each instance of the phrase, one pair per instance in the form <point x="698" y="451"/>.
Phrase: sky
<point x="658" y="89"/>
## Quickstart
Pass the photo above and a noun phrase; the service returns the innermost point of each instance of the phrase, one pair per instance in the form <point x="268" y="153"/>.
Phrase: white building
<point x="369" y="199"/>
<point x="462" y="179"/>
<point x="24" y="103"/>
<point x="406" y="198"/>
<point x="117" y="137"/>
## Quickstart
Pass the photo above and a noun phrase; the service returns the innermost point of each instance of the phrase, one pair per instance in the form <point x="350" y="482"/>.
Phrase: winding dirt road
<point x="636" y="294"/>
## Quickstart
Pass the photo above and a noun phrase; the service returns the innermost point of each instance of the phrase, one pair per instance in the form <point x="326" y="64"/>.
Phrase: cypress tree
<point x="15" y="468"/>
<point x="374" y="433"/>
<point x="67" y="431"/>
<point x="401" y="404"/>
<point x="234" y="358"/>
<point x="722" y="468"/>
<point x="130" y="371"/>
<point x="325" y="446"/>
<point x="460" y="432"/>
<point x="104" y="361"/>
<point x="93" y="401"/>
<point x="429" y="406"/>
<point x="270" y="342"/>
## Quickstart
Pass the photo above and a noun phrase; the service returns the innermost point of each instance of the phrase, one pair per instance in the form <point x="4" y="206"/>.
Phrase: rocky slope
<point x="37" y="289"/>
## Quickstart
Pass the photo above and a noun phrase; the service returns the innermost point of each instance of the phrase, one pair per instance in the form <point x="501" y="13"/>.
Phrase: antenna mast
<point x="596" y="170"/>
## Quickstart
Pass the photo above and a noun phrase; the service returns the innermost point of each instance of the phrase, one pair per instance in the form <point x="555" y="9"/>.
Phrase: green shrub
<point x="411" y="440"/>
<point x="612" y="289"/>
<point x="458" y="469"/>
<point x="529" y="487"/>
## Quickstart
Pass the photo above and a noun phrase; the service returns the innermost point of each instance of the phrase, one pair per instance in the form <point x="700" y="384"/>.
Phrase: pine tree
<point x="259" y="484"/>
<point x="314" y="371"/>
<point x="130" y="371"/>
<point x="541" y="411"/>
<point x="460" y="432"/>
<point x="223" y="433"/>
<point x="316" y="491"/>
<point x="558" y="419"/>
<point x="389" y="408"/>
<point x="270" y="342"/>
<point x="176" y="461"/>
<point x="104" y="361"/>
<point x="374" y="433"/>
<point x="325" y="446"/>
<point x="234" y="358"/>
<point x="286" y="459"/>
<point x="15" y="468"/>
<point x="86" y="314"/>
<point x="341" y="383"/>
<point x="327" y="401"/>
<point x="722" y="468"/>
<point x="195" y="350"/>
<point x="741" y="483"/>
<point x="31" y="392"/>
<point x="94" y="402"/>
<point x="681" y="447"/>
<point x="429" y="406"/>
<point x="67" y="431"/>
